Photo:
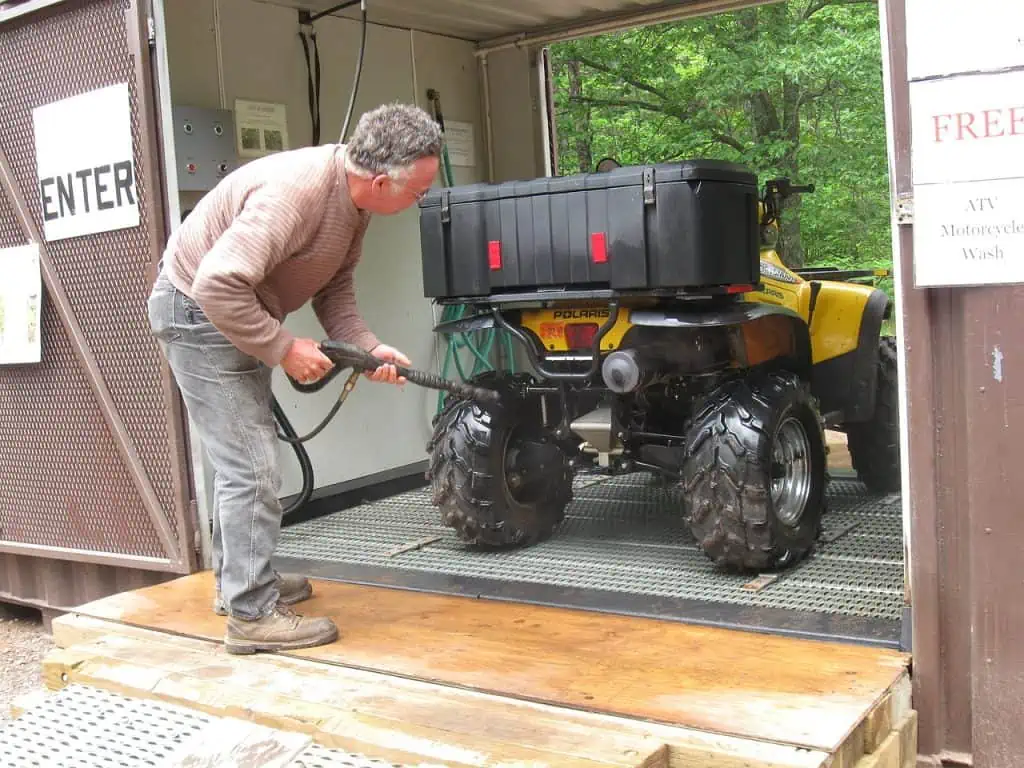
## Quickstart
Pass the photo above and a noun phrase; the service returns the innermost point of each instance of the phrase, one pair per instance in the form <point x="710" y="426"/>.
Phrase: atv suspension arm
<point x="349" y="357"/>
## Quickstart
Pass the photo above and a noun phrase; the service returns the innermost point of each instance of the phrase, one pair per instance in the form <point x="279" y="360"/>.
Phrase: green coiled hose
<point x="483" y="349"/>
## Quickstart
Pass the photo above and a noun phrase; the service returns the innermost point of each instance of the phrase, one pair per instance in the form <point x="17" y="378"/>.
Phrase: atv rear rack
<point x="539" y="364"/>
<point x="583" y="293"/>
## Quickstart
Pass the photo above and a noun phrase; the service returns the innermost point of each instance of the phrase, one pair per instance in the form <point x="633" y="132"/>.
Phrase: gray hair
<point x="390" y="138"/>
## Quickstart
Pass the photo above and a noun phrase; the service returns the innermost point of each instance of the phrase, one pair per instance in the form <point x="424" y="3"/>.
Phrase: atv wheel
<point x="497" y="476"/>
<point x="755" y="473"/>
<point x="875" y="444"/>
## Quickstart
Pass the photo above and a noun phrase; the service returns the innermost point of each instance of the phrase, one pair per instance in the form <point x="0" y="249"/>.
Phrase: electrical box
<point x="204" y="143"/>
<point x="680" y="226"/>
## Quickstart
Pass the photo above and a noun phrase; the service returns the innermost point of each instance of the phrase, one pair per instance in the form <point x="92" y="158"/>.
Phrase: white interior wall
<point x="515" y="115"/>
<point x="381" y="427"/>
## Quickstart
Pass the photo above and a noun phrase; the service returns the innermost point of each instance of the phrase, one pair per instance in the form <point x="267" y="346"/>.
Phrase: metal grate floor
<point x="623" y="534"/>
<point x="84" y="727"/>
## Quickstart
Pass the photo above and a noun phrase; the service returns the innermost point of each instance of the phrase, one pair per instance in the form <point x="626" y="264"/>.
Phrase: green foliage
<point x="791" y="89"/>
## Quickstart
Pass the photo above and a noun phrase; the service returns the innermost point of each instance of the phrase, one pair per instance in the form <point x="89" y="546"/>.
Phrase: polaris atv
<point x="662" y="332"/>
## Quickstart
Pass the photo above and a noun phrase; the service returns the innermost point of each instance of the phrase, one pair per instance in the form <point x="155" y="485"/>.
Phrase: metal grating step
<point x="84" y="727"/>
<point x="626" y="535"/>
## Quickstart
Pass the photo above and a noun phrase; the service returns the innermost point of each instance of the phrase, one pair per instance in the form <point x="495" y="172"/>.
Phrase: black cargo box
<point x="678" y="226"/>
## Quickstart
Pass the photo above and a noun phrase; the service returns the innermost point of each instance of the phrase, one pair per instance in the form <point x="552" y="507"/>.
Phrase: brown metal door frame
<point x="179" y="554"/>
<point x="922" y="409"/>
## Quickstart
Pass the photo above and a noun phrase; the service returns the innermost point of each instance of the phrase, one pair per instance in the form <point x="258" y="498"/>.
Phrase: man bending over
<point x="276" y="233"/>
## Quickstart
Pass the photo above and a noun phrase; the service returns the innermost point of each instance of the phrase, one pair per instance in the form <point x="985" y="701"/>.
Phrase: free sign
<point x="85" y="161"/>
<point x="968" y="165"/>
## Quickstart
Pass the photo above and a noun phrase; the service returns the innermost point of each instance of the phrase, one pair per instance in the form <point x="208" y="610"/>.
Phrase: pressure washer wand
<point x="359" y="361"/>
<point x="346" y="356"/>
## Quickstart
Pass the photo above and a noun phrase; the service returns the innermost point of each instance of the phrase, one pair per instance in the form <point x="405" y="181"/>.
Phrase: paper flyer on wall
<point x="261" y="128"/>
<point x="20" y="305"/>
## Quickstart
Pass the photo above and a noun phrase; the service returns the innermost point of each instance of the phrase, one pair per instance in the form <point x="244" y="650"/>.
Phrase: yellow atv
<point x="660" y="332"/>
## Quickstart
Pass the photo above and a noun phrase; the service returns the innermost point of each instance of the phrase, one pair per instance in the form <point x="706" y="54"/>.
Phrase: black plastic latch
<point x="446" y="211"/>
<point x="648" y="186"/>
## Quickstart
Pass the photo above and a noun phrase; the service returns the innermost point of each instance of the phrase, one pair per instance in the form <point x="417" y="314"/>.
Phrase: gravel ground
<point x="23" y="643"/>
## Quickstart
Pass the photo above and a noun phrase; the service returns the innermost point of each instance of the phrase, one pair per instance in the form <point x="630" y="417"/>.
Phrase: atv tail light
<point x="494" y="255"/>
<point x="580" y="335"/>
<point x="598" y="248"/>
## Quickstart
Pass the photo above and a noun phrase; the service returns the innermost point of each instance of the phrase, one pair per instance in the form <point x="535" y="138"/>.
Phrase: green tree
<point x="791" y="89"/>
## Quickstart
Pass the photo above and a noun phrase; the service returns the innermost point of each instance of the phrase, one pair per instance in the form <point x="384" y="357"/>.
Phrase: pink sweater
<point x="279" y="231"/>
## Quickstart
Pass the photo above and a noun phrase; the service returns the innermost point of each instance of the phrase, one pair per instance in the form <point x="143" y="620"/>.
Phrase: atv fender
<point x="767" y="333"/>
<point x="847" y="384"/>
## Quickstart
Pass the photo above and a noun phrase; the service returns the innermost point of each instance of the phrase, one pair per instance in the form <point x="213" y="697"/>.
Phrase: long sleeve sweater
<point x="278" y="232"/>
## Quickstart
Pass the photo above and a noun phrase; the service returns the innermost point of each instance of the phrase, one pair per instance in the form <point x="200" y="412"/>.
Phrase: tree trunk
<point x="790" y="246"/>
<point x="584" y="152"/>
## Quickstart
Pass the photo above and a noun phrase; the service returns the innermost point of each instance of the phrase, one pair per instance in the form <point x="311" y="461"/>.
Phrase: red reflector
<point x="598" y="248"/>
<point x="580" y="335"/>
<point x="739" y="289"/>
<point x="494" y="254"/>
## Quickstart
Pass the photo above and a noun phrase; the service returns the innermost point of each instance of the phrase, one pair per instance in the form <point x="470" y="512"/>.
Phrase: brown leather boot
<point x="292" y="588"/>
<point x="282" y="629"/>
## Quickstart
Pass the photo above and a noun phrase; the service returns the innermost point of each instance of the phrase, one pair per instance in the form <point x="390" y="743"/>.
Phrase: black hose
<point x="349" y="386"/>
<point x="359" y="72"/>
<point x="300" y="453"/>
<point x="289" y="434"/>
<point x="313" y="81"/>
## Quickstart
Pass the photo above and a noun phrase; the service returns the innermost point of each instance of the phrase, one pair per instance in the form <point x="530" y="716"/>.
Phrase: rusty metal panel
<point x="952" y="537"/>
<point x="61" y="585"/>
<point x="993" y="406"/>
<point x="67" y="481"/>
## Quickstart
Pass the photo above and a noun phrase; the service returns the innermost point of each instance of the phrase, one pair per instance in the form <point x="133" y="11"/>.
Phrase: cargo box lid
<point x="633" y="175"/>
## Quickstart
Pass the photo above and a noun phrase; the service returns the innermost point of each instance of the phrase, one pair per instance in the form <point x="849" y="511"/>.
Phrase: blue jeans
<point x="227" y="393"/>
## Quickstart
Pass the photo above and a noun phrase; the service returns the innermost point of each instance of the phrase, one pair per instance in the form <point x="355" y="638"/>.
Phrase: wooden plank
<point x="797" y="692"/>
<point x="908" y="741"/>
<point x="887" y="756"/>
<point x="352" y="731"/>
<point x="838" y="451"/>
<point x="893" y="713"/>
<point x="379" y="714"/>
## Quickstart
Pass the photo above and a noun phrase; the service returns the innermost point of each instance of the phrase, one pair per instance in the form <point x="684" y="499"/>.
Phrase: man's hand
<point x="387" y="373"/>
<point x="305" y="362"/>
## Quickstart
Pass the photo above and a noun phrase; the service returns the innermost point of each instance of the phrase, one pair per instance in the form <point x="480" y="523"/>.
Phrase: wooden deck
<point x="422" y="677"/>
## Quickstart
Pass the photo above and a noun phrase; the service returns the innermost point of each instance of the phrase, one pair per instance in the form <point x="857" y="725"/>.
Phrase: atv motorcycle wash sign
<point x="967" y="113"/>
<point x="85" y="160"/>
<point x="968" y="165"/>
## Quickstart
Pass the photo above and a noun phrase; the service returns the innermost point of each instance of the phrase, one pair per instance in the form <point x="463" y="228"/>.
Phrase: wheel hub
<point x="528" y="463"/>
<point x="791" y="471"/>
